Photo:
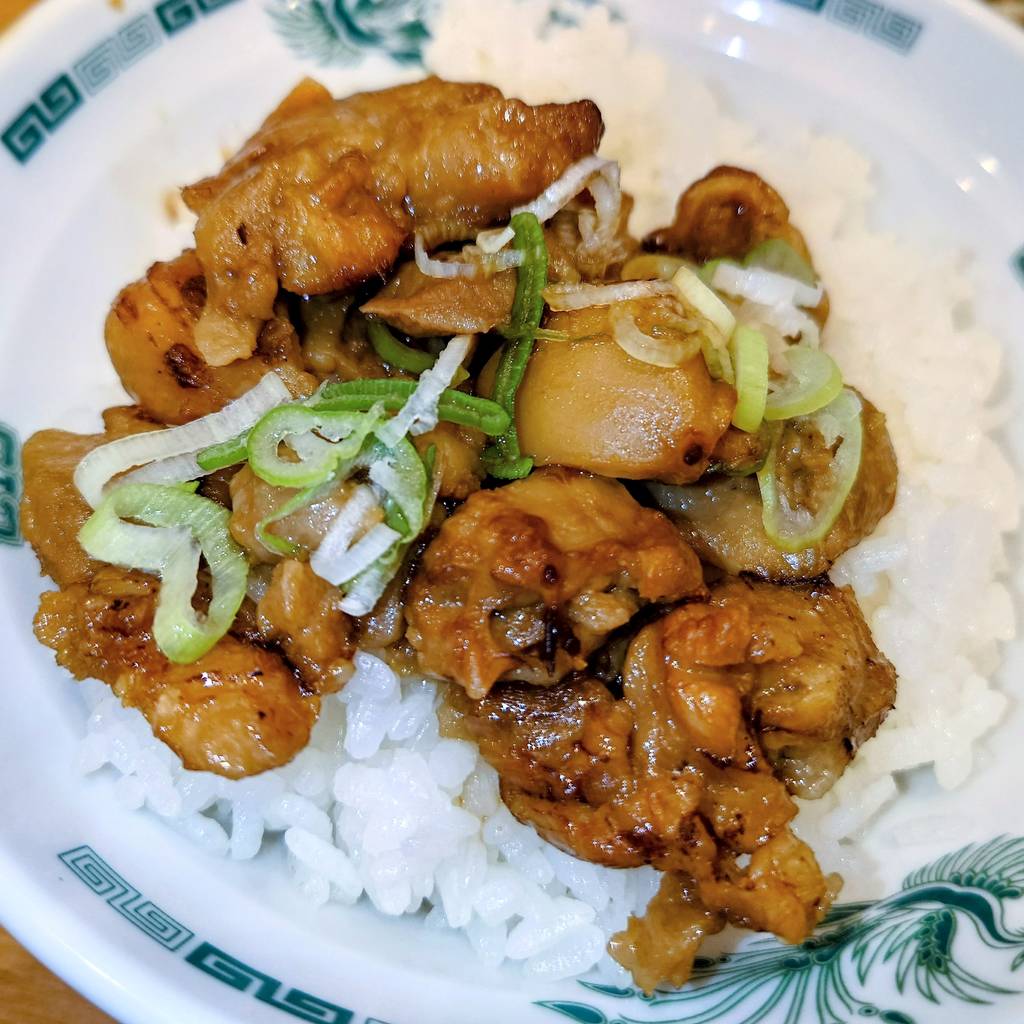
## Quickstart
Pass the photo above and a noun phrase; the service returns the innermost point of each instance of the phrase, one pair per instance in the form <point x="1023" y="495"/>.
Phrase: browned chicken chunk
<point x="302" y="614"/>
<point x="525" y="581"/>
<point x="425" y="307"/>
<point x="253" y="500"/>
<point x="671" y="774"/>
<point x="588" y="404"/>
<point x="52" y="510"/>
<point x="150" y="334"/>
<point x="326" y="193"/>
<point x="238" y="710"/>
<point x="726" y="214"/>
<point x="721" y="517"/>
<point x="815" y="686"/>
<point x="457" y="466"/>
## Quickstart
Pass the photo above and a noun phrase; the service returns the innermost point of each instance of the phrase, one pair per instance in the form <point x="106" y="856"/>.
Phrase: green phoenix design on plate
<point x="906" y="942"/>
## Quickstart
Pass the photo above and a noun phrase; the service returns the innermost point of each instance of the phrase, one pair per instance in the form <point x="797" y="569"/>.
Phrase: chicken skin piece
<point x="524" y="581"/>
<point x="670" y="774"/>
<point x="588" y="404"/>
<point x="324" y="196"/>
<point x="238" y="710"/>
<point x="721" y="517"/>
<point x="150" y="334"/>
<point x="52" y="509"/>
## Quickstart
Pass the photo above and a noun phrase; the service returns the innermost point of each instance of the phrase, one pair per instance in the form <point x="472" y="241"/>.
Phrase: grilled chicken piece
<point x="236" y="711"/>
<point x="525" y="581"/>
<point x="425" y="307"/>
<point x="52" y="510"/>
<point x="670" y="774"/>
<point x="457" y="466"/>
<point x="254" y="500"/>
<point x="721" y="516"/>
<point x="726" y="214"/>
<point x="150" y="334"/>
<point x="816" y="686"/>
<point x="302" y="614"/>
<point x="326" y="193"/>
<point x="586" y="403"/>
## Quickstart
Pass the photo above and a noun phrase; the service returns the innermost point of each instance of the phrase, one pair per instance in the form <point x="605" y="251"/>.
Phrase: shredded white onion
<point x="494" y="239"/>
<point x="478" y="262"/>
<point x="559" y="193"/>
<point x="561" y="297"/>
<point x="493" y="263"/>
<point x="360" y="556"/>
<point x="419" y="414"/>
<point x="96" y="470"/>
<point x="598" y="228"/>
<point x="353" y="518"/>
<point x="175" y="470"/>
<point x="665" y="352"/>
<point x="765" y="287"/>
<point x="784" y="319"/>
<point x="365" y="591"/>
<point x="443" y="269"/>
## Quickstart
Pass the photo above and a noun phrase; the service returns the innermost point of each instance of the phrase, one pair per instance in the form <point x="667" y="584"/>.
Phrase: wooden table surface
<point x="29" y="993"/>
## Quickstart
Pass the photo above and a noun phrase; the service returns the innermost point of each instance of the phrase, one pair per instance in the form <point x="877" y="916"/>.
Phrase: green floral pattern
<point x="910" y="942"/>
<point x="10" y="486"/>
<point x="345" y="31"/>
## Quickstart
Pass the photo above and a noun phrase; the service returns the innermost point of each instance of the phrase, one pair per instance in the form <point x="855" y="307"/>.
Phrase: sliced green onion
<point x="227" y="453"/>
<point x="812" y="382"/>
<point x="718" y="361"/>
<point x="454" y="406"/>
<point x="319" y="457"/>
<point x="791" y="526"/>
<point x="707" y="272"/>
<point x="180" y="526"/>
<point x="698" y="296"/>
<point x="394" y="353"/>
<point x="782" y="258"/>
<point x="749" y="352"/>
<point x="651" y="266"/>
<point x="504" y="459"/>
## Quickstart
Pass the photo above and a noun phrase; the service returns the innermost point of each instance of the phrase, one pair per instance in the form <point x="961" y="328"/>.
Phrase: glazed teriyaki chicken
<point x="417" y="389"/>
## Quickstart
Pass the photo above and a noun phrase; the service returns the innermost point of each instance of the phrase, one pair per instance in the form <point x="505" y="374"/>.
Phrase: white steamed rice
<point x="380" y="807"/>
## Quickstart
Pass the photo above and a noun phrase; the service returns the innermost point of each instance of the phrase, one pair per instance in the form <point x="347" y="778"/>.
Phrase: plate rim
<point x="42" y="934"/>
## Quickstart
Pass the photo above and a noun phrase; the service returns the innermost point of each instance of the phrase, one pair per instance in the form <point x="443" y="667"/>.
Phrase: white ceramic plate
<point x="103" y="109"/>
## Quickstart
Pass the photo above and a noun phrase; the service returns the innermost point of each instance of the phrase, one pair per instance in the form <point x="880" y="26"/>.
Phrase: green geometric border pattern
<point x="94" y="70"/>
<point x="105" y="882"/>
<point x="912" y="941"/>
<point x="10" y="486"/>
<point x="877" y="21"/>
